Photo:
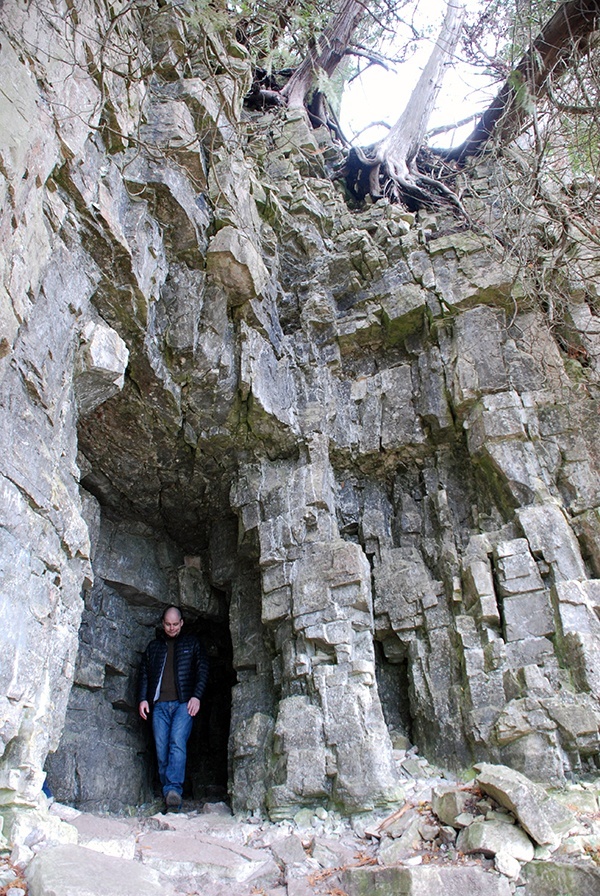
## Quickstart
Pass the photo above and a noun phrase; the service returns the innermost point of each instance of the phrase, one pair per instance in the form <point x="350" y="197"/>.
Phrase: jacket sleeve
<point x="200" y="670"/>
<point x="143" y="679"/>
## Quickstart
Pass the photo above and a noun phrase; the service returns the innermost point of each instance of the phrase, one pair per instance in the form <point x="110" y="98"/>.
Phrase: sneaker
<point x="173" y="800"/>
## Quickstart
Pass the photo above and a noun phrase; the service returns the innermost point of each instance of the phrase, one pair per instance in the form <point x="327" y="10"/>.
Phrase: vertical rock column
<point x="331" y="742"/>
<point x="44" y="543"/>
<point x="49" y="105"/>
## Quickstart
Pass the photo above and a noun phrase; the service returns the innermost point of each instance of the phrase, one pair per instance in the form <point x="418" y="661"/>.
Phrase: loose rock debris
<point x="12" y="883"/>
<point x="495" y="836"/>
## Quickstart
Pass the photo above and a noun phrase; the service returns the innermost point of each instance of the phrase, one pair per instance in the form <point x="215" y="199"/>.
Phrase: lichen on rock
<point x="342" y="438"/>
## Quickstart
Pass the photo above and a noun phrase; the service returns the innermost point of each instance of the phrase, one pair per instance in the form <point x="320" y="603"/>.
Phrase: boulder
<point x="544" y="819"/>
<point x="396" y="850"/>
<point x="448" y="803"/>
<point x="492" y="838"/>
<point x="557" y="878"/>
<point x="289" y="850"/>
<point x="424" y="880"/>
<point x="78" y="871"/>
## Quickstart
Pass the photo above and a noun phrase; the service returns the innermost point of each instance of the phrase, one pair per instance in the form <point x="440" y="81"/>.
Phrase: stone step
<point x="178" y="855"/>
<point x="110" y="836"/>
<point x="78" y="871"/>
<point x="423" y="880"/>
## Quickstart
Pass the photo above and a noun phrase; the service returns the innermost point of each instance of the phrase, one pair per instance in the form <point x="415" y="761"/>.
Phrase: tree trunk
<point x="556" y="48"/>
<point x="327" y="53"/>
<point x="390" y="168"/>
<point x="400" y="146"/>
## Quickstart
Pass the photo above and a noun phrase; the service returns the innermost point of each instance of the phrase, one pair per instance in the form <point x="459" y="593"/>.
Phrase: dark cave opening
<point x="105" y="760"/>
<point x="207" y="769"/>
<point x="207" y="763"/>
<point x="393" y="686"/>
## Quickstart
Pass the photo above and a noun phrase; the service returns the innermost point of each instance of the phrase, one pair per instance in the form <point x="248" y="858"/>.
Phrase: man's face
<point x="172" y="623"/>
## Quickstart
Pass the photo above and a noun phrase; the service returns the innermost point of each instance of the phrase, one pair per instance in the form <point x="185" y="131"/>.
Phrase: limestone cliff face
<point x="342" y="439"/>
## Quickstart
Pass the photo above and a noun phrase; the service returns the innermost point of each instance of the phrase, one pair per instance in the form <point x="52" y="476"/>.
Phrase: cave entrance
<point x="207" y="768"/>
<point x="393" y="684"/>
<point x="207" y="756"/>
<point x="105" y="761"/>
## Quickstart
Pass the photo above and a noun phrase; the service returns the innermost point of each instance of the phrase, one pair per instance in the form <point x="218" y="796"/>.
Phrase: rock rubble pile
<point x="351" y="442"/>
<point x="499" y="834"/>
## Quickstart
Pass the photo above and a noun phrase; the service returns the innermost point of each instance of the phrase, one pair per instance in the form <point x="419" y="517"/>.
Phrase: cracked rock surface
<point x="347" y="440"/>
<point x="447" y="833"/>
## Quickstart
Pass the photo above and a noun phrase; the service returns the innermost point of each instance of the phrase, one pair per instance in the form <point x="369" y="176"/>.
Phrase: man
<point x="173" y="676"/>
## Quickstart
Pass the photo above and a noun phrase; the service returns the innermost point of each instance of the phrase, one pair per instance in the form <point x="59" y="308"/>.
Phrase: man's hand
<point x="144" y="709"/>
<point x="193" y="706"/>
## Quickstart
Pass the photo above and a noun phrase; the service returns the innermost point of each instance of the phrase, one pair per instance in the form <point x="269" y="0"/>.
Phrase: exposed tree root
<point x="394" y="168"/>
<point x="377" y="176"/>
<point x="389" y="168"/>
<point x="265" y="92"/>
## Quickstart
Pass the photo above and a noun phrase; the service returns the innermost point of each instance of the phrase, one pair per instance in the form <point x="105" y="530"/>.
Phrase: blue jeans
<point x="171" y="726"/>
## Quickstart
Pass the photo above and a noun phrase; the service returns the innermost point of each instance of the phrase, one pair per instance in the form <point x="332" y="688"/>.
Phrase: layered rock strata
<point x="345" y="440"/>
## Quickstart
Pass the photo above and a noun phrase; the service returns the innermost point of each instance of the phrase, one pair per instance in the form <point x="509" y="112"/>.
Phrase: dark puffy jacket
<point x="190" y="663"/>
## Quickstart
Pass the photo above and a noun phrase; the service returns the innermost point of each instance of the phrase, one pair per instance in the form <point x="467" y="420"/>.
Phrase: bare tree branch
<point x="372" y="124"/>
<point x="445" y="128"/>
<point x="326" y="54"/>
<point x="373" y="57"/>
<point x="563" y="38"/>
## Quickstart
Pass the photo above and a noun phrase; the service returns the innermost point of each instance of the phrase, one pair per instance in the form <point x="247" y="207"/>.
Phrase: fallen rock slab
<point x="177" y="855"/>
<point x="110" y="836"/>
<point x="551" y="878"/>
<point x="448" y="803"/>
<point x="544" y="818"/>
<point x="219" y="826"/>
<point x="424" y="880"/>
<point x="77" y="871"/>
<point x="492" y="838"/>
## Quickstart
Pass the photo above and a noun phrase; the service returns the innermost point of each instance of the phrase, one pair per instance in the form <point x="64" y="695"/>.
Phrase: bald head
<point x="172" y="622"/>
